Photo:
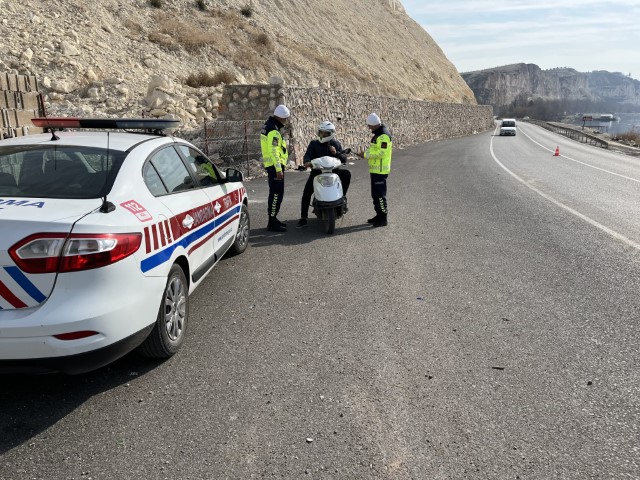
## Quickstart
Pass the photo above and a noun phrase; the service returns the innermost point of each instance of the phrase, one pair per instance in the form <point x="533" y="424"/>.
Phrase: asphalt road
<point x="489" y="332"/>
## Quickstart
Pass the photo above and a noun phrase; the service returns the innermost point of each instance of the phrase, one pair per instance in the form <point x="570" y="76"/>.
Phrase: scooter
<point x="329" y="202"/>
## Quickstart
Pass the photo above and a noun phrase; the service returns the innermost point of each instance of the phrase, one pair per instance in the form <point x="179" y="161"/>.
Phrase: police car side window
<point x="172" y="171"/>
<point x="206" y="171"/>
<point x="153" y="181"/>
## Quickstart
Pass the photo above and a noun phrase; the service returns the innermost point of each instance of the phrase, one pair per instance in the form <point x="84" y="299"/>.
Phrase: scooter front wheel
<point x="330" y="221"/>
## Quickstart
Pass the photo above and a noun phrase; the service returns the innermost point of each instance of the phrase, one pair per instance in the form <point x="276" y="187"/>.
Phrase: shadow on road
<point x="30" y="404"/>
<point x="261" y="237"/>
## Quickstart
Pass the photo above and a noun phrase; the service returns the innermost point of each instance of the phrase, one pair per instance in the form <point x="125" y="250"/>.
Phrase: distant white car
<point x="104" y="234"/>
<point x="508" y="127"/>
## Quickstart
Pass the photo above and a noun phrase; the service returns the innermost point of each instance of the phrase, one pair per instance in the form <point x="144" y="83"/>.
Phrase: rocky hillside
<point x="114" y="57"/>
<point x="502" y="85"/>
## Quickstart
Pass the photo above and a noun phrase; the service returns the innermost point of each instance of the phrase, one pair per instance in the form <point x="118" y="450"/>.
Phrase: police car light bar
<point x="114" y="123"/>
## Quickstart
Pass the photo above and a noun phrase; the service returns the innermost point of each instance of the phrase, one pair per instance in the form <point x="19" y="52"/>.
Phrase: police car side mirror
<point x="233" y="175"/>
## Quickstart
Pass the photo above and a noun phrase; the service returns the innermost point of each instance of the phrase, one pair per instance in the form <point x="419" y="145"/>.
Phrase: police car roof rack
<point x="154" y="126"/>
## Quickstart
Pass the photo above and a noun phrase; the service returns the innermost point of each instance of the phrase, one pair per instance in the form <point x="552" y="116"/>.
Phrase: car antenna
<point x="106" y="206"/>
<point x="51" y="129"/>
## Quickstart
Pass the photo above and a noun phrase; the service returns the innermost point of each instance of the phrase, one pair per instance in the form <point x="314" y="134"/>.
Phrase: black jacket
<point x="317" y="150"/>
<point x="381" y="130"/>
<point x="272" y="123"/>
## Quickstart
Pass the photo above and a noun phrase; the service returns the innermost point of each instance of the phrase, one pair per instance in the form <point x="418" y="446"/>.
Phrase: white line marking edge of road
<point x="582" y="163"/>
<point x="581" y="216"/>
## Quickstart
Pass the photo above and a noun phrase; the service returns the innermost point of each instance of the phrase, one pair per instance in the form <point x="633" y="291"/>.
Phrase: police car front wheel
<point x="244" y="228"/>
<point x="170" y="328"/>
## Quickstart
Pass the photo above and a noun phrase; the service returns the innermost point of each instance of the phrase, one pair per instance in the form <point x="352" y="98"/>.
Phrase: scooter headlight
<point x="328" y="181"/>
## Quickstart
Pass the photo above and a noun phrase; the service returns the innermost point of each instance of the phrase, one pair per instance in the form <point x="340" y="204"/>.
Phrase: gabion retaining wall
<point x="410" y="121"/>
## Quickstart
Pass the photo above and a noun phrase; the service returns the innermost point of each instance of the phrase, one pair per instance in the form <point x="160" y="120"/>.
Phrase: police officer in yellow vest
<point x="379" y="157"/>
<point x="274" y="157"/>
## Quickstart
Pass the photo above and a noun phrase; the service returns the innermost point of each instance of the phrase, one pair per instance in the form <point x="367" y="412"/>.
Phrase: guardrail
<point x="572" y="133"/>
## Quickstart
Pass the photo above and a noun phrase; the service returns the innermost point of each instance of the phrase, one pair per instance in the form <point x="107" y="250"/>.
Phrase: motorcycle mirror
<point x="346" y="151"/>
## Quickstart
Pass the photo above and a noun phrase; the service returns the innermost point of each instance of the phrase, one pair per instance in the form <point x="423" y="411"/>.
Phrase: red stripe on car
<point x="167" y="229"/>
<point x="147" y="240"/>
<point x="10" y="297"/>
<point x="163" y="235"/>
<point x="155" y="237"/>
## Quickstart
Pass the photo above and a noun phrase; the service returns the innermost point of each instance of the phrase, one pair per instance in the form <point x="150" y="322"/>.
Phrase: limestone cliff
<point x="500" y="86"/>
<point x="105" y="57"/>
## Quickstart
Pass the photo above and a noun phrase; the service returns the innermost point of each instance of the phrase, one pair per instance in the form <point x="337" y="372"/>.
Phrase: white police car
<point x="103" y="236"/>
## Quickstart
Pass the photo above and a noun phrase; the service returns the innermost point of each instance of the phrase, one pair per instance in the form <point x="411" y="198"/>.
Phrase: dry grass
<point x="161" y="39"/>
<point x="226" y="32"/>
<point x="632" y="136"/>
<point x="248" y="59"/>
<point x="205" y="79"/>
<point x="330" y="64"/>
<point x="191" y="37"/>
<point x="228" y="19"/>
<point x="262" y="40"/>
<point x="133" y="27"/>
<point x="250" y="48"/>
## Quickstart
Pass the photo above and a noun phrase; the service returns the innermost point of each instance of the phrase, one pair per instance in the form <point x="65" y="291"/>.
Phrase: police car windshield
<point x="54" y="171"/>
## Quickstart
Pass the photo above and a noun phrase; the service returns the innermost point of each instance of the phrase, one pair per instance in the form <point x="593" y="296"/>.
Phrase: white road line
<point x="581" y="216"/>
<point x="582" y="163"/>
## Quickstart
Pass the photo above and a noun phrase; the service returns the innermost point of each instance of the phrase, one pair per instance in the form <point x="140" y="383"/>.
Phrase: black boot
<point x="374" y="219"/>
<point x="381" y="221"/>
<point x="274" y="225"/>
<point x="282" y="224"/>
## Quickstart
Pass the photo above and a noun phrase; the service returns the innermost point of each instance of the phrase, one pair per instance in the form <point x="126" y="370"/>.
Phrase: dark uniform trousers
<point x="379" y="192"/>
<point x="276" y="191"/>
<point x="345" y="180"/>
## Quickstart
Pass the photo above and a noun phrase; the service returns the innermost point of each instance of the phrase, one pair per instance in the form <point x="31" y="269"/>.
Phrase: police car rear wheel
<point x="169" y="331"/>
<point x="242" y="237"/>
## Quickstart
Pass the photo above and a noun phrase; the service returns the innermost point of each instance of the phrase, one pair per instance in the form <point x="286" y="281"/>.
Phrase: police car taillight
<point x="52" y="252"/>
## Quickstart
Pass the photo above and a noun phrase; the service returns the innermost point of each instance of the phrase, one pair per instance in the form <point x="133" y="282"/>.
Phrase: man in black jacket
<point x="325" y="145"/>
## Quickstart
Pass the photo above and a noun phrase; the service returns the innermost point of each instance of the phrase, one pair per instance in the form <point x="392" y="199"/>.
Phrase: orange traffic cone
<point x="557" y="154"/>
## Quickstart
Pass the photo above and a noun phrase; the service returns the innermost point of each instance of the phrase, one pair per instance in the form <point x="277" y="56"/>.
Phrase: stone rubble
<point x="113" y="57"/>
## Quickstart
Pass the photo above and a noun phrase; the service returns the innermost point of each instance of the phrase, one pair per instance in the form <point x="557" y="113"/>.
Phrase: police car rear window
<point x="58" y="172"/>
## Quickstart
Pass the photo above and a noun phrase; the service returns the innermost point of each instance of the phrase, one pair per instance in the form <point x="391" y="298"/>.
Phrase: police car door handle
<point x="187" y="222"/>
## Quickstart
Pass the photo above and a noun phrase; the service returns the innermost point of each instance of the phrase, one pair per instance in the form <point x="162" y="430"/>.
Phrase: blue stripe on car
<point x="165" y="255"/>
<point x="21" y="279"/>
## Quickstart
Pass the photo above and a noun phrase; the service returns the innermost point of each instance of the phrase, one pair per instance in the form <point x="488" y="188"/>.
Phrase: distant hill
<point x="505" y="86"/>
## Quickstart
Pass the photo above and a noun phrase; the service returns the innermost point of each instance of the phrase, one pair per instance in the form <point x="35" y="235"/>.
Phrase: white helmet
<point x="281" y="112"/>
<point x="326" y="132"/>
<point x="373" y="120"/>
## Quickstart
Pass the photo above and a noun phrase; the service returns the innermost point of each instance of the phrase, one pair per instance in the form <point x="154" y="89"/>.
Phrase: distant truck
<point x="508" y="127"/>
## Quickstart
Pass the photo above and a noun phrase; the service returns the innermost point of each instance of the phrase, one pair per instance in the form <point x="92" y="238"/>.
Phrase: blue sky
<point x="584" y="34"/>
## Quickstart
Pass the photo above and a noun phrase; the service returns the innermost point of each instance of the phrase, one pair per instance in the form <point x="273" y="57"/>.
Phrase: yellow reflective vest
<point x="274" y="147"/>
<point x="208" y="169"/>
<point x="379" y="152"/>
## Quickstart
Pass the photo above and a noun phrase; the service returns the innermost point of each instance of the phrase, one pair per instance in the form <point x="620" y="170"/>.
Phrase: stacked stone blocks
<point x="19" y="103"/>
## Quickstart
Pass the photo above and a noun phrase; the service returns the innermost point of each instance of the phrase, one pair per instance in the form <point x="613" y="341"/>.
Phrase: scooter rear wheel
<point x="330" y="221"/>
